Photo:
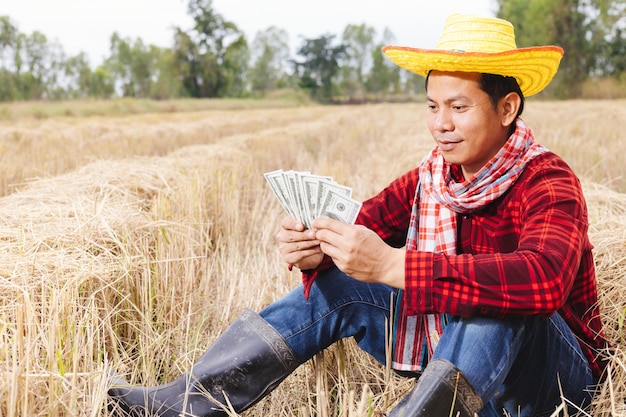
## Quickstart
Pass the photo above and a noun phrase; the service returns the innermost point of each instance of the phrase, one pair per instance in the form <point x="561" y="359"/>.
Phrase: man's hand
<point x="360" y="252"/>
<point x="298" y="246"/>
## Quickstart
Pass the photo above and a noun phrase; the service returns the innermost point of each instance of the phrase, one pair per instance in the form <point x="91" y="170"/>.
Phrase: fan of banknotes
<point x="305" y="196"/>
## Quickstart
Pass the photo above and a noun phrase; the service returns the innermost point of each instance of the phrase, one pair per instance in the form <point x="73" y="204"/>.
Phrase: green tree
<point x="37" y="66"/>
<point x="269" y="55"/>
<point x="588" y="30"/>
<point x="131" y="64"/>
<point x="556" y="22"/>
<point x="609" y="37"/>
<point x="384" y="77"/>
<point x="212" y="58"/>
<point x="75" y="73"/>
<point x="166" y="83"/>
<point x="82" y="82"/>
<point x="30" y="66"/>
<point x="140" y="70"/>
<point x="572" y="26"/>
<point x="533" y="20"/>
<point x="101" y="83"/>
<point x="319" y="66"/>
<point x="188" y="64"/>
<point x="34" y="65"/>
<point x="613" y="60"/>
<point x="359" y="44"/>
<point x="8" y="39"/>
<point x="8" y="44"/>
<point x="234" y="69"/>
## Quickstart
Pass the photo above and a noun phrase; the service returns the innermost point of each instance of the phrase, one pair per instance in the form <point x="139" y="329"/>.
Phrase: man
<point x="483" y="247"/>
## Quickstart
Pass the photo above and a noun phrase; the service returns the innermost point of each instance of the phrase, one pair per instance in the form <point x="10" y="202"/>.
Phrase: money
<point x="305" y="196"/>
<point x="339" y="207"/>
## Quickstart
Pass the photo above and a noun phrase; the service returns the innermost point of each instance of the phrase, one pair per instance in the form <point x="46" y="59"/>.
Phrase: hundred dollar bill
<point x="278" y="185"/>
<point x="327" y="186"/>
<point x="297" y="205"/>
<point x="340" y="207"/>
<point x="310" y="185"/>
<point x="302" y="194"/>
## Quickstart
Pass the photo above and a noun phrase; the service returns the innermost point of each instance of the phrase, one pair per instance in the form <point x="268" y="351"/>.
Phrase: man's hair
<point x="496" y="86"/>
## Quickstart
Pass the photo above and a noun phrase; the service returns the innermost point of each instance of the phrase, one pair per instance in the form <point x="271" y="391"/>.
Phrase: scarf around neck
<point x="441" y="197"/>
<point x="438" y="200"/>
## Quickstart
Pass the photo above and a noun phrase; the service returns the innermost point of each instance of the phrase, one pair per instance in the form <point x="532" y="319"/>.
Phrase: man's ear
<point x="509" y="106"/>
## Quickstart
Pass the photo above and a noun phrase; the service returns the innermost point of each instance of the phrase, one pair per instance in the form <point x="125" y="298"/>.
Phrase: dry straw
<point x="138" y="264"/>
<point x="608" y="234"/>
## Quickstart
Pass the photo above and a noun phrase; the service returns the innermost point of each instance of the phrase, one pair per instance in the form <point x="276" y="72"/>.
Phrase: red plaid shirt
<point x="525" y="254"/>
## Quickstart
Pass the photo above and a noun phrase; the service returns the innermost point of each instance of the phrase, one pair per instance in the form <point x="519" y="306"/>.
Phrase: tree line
<point x="214" y="59"/>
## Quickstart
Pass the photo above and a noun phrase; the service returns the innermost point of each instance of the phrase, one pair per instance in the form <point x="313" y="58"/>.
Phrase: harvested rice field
<point x="129" y="242"/>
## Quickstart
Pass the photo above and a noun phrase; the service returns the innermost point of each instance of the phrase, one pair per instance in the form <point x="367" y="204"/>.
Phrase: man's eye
<point x="459" y="108"/>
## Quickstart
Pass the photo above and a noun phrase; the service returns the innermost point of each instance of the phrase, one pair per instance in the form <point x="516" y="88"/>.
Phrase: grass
<point x="43" y="110"/>
<point x="130" y="241"/>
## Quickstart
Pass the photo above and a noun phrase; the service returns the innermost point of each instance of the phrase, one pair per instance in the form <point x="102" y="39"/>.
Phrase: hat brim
<point x="532" y="67"/>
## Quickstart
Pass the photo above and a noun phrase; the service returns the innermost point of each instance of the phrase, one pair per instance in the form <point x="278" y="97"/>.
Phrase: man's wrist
<point x="394" y="276"/>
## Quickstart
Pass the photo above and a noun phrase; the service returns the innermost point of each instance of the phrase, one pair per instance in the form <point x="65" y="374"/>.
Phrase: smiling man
<point x="481" y="251"/>
<point x="467" y="127"/>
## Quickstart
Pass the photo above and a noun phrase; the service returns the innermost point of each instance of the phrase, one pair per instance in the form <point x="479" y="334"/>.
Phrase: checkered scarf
<point x="433" y="224"/>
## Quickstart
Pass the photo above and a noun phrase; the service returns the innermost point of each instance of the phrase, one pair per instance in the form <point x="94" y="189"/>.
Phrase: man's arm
<point x="549" y="212"/>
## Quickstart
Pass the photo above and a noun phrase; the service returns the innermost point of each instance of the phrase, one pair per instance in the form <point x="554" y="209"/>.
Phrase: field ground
<point x="130" y="241"/>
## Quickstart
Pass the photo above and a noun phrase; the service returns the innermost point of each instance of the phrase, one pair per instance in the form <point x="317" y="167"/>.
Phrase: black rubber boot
<point x="243" y="365"/>
<point x="441" y="391"/>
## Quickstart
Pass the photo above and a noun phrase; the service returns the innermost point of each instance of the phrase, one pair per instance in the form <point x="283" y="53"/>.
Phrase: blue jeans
<point x="514" y="364"/>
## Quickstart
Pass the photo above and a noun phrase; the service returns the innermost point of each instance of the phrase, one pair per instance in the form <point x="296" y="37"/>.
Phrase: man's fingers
<point x="324" y="223"/>
<point x="296" y="257"/>
<point x="285" y="236"/>
<point x="289" y="223"/>
<point x="288" y="247"/>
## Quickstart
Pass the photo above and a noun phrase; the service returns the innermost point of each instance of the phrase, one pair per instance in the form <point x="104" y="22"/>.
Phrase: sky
<point x="87" y="25"/>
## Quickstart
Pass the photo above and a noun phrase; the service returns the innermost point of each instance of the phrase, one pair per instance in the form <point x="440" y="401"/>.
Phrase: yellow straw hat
<point x="482" y="44"/>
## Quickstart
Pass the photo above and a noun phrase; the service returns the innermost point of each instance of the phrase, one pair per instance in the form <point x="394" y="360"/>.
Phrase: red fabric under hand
<point x="308" y="277"/>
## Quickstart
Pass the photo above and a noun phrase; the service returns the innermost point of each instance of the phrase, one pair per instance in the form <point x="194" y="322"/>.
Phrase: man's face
<point x="463" y="121"/>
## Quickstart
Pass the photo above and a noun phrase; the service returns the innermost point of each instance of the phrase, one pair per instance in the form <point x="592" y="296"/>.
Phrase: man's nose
<point x="443" y="120"/>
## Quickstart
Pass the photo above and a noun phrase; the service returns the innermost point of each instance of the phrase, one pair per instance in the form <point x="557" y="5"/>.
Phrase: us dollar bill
<point x="302" y="195"/>
<point x="278" y="185"/>
<point x="310" y="189"/>
<point x="339" y="206"/>
<point x="327" y="186"/>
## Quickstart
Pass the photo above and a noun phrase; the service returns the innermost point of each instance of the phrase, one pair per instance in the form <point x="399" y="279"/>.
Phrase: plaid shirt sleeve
<point x="388" y="213"/>
<point x="525" y="254"/>
<point x="519" y="255"/>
